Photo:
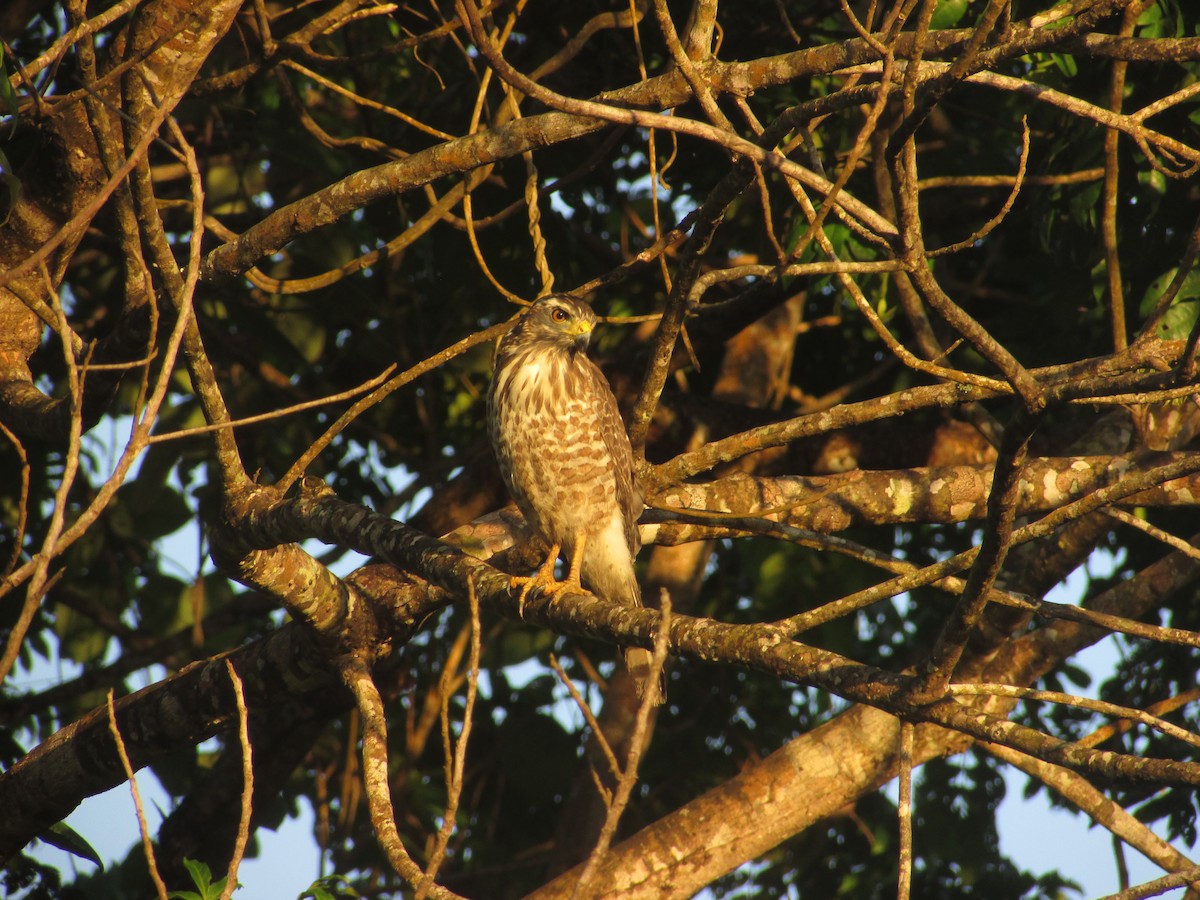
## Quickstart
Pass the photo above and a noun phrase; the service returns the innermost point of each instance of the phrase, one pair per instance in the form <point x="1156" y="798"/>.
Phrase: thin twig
<point x="454" y="783"/>
<point x="1097" y="706"/>
<point x="509" y="109"/>
<point x="734" y="525"/>
<point x="360" y="100"/>
<point x="439" y="211"/>
<point x="375" y="776"/>
<point x="1078" y="791"/>
<point x="395" y="383"/>
<point x="143" y="828"/>
<point x="274" y="414"/>
<point x="589" y="717"/>
<point x="1125" y="123"/>
<point x="988" y="227"/>
<point x="987" y="181"/>
<point x="1111" y="195"/>
<point x="1158" y="886"/>
<point x="243" y="832"/>
<point x="1161" y="708"/>
<point x="1158" y="534"/>
<point x="630" y="771"/>
<point x="1163" y="303"/>
<point x="51" y="544"/>
<point x="904" y="811"/>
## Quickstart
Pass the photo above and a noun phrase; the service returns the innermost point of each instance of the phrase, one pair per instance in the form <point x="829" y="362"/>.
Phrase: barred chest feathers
<point x="559" y="465"/>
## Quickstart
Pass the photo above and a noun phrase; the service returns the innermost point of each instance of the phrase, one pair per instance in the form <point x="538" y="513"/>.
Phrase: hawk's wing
<point x="616" y="440"/>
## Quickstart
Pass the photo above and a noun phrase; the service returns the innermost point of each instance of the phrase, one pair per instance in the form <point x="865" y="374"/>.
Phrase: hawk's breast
<point x="547" y="431"/>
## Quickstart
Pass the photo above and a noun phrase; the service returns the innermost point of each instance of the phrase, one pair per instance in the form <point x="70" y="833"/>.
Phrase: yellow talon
<point x="544" y="576"/>
<point x="541" y="578"/>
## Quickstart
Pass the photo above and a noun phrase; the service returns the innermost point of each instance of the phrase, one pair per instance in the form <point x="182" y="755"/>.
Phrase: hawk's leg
<point x="542" y="577"/>
<point x="572" y="580"/>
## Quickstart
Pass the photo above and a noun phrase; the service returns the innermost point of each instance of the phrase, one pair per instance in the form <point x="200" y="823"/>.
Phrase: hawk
<point x="566" y="459"/>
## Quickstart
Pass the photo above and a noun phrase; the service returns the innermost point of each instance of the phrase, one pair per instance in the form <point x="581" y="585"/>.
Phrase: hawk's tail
<point x="637" y="661"/>
<point x="608" y="571"/>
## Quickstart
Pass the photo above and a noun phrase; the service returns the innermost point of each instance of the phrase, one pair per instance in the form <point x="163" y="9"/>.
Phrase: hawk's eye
<point x="558" y="314"/>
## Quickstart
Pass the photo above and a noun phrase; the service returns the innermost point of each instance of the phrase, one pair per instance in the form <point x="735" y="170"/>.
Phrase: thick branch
<point x="934" y="494"/>
<point x="761" y="647"/>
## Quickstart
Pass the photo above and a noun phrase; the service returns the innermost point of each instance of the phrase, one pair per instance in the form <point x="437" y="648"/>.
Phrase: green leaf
<point x="1154" y="180"/>
<point x="331" y="887"/>
<point x="166" y="604"/>
<point x="1176" y="324"/>
<point x="517" y="645"/>
<point x="303" y="332"/>
<point x="1066" y="64"/>
<point x="79" y="639"/>
<point x="948" y="13"/>
<point x="202" y="878"/>
<point x="7" y="94"/>
<point x="200" y="872"/>
<point x="147" y="509"/>
<point x="64" y="837"/>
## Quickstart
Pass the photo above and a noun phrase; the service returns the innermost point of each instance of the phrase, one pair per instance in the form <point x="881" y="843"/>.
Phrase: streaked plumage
<point x="564" y="453"/>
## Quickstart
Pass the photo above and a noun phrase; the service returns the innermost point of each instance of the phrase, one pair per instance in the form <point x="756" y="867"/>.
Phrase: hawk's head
<point x="557" y="319"/>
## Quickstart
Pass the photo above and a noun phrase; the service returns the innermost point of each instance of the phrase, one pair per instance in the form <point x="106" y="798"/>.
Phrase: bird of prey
<point x="566" y="459"/>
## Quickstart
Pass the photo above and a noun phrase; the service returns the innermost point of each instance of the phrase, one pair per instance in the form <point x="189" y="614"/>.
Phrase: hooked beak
<point x="581" y="332"/>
